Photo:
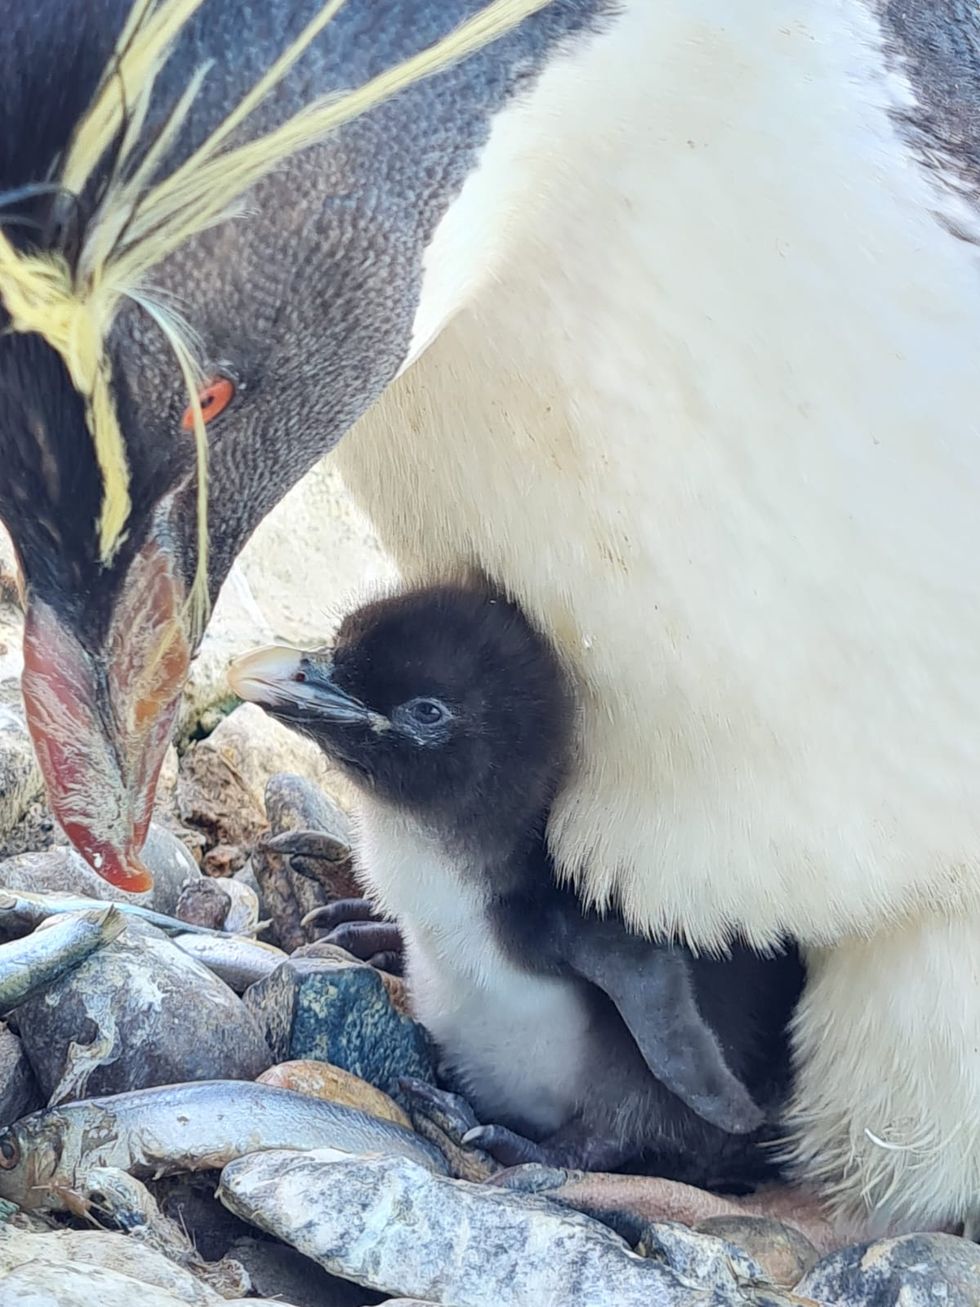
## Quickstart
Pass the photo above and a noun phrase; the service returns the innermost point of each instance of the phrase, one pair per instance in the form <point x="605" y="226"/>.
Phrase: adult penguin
<point x="671" y="316"/>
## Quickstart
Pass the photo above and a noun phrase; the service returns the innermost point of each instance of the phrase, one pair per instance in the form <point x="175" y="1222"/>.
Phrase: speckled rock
<point x="291" y="887"/>
<point x="113" y="1253"/>
<point x="339" y="1012"/>
<point x="63" y="870"/>
<point x="782" y="1251"/>
<point x="395" y="986"/>
<point x="915" y="1270"/>
<point x="390" y="1225"/>
<point x="20" y="776"/>
<point x="19" y="1092"/>
<point x="275" y="1269"/>
<point x="321" y="1080"/>
<point x="138" y="1013"/>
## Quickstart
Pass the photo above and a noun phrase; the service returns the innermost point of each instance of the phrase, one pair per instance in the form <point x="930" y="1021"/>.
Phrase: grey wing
<point x="652" y="988"/>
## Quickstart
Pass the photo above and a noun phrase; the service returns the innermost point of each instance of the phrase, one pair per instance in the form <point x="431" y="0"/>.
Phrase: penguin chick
<point x="586" y="1046"/>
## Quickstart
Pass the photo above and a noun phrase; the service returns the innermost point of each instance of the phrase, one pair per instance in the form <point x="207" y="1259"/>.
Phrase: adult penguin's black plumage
<point x="454" y="720"/>
<point x="662" y="315"/>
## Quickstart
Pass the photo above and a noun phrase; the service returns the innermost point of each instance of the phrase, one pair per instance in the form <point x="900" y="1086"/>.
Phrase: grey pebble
<point x="339" y="1012"/>
<point x="138" y="1013"/>
<point x="914" y="1270"/>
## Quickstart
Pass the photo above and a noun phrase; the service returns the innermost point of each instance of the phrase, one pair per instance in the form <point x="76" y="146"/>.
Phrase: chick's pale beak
<point x="101" y="721"/>
<point x="296" y="685"/>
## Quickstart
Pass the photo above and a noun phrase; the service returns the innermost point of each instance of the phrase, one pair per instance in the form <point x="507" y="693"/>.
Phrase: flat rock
<point x="390" y="1225"/>
<point x="46" y="1282"/>
<point x="19" y="1092"/>
<point x="339" y="1012"/>
<point x="914" y="1270"/>
<point x="275" y="1269"/>
<point x="63" y="870"/>
<point x="115" y="1253"/>
<point x="138" y="1013"/>
<point x="292" y="886"/>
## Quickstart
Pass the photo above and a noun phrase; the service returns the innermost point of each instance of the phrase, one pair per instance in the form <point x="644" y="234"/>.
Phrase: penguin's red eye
<point x="214" y="398"/>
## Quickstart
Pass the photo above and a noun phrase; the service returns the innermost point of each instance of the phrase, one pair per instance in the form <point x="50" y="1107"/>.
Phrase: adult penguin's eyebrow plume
<point x="664" y="316"/>
<point x="454" y="720"/>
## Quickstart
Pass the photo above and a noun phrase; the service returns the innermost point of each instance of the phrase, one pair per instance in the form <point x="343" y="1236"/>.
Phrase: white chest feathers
<point x="517" y="1042"/>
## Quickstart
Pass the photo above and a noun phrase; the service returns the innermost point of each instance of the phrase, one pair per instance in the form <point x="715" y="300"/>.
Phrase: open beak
<point x="101" y="721"/>
<point x="296" y="685"/>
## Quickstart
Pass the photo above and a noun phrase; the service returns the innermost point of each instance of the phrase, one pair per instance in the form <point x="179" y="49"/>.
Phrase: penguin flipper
<point x="652" y="987"/>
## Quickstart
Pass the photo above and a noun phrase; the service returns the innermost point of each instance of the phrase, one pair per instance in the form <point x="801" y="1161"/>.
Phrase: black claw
<point x="393" y="963"/>
<point x="306" y="844"/>
<point x="450" y="1112"/>
<point x="340" y="911"/>
<point x="506" y="1147"/>
<point x="365" y="938"/>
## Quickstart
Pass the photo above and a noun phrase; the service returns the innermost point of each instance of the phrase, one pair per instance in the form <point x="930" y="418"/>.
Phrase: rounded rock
<point x="781" y="1250"/>
<point x="332" y="1083"/>
<point x="138" y="1013"/>
<point x="914" y="1270"/>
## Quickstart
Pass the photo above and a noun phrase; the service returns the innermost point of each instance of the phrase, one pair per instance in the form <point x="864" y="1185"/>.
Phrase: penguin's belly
<point x="518" y="1043"/>
<point x="714" y="423"/>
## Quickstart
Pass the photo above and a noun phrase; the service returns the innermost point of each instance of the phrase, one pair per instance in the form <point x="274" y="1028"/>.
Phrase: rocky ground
<point x="295" y="1157"/>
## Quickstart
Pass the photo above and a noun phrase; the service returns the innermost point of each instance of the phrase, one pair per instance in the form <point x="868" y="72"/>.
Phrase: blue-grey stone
<point x="914" y="1270"/>
<point x="339" y="1012"/>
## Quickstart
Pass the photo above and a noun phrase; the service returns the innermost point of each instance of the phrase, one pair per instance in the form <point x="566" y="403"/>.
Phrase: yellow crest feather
<point x="138" y="220"/>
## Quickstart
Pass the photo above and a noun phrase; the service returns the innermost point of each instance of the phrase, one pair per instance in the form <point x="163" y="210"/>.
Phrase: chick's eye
<point x="214" y="398"/>
<point x="427" y="712"/>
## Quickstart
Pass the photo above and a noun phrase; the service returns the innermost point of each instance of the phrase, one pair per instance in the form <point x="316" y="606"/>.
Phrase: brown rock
<point x="321" y="1080"/>
<point x="203" y="903"/>
<point x="782" y="1251"/>
<point x="224" y="860"/>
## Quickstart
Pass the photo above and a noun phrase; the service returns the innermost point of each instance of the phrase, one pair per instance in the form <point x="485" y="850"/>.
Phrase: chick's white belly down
<point x="517" y="1043"/>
